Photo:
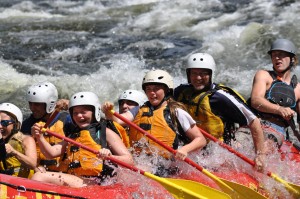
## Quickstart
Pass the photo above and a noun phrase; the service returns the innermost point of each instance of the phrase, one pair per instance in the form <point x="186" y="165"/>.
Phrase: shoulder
<point x="180" y="113"/>
<point x="263" y="77"/>
<point x="263" y="74"/>
<point x="179" y="89"/>
<point x="27" y="139"/>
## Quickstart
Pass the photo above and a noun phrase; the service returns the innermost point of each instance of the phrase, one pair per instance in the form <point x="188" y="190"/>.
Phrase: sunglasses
<point x="5" y="123"/>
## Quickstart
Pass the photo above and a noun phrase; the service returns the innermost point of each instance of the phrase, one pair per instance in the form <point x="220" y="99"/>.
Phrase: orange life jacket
<point x="154" y="123"/>
<point x="82" y="162"/>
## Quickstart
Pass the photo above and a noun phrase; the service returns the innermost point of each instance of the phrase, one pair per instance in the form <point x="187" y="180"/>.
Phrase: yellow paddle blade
<point x="186" y="189"/>
<point x="233" y="189"/>
<point x="292" y="188"/>
<point x="241" y="191"/>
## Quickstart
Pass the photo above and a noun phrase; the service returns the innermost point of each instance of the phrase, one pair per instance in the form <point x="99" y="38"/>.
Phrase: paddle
<point x="294" y="189"/>
<point x="51" y="118"/>
<point x="177" y="187"/>
<point x="233" y="189"/>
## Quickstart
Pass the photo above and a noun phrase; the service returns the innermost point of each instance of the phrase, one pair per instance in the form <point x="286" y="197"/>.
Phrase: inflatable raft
<point x="21" y="188"/>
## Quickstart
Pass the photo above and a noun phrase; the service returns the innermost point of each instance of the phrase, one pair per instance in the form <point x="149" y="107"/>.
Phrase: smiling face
<point x="83" y="115"/>
<point x="200" y="78"/>
<point x="6" y="125"/>
<point x="280" y="60"/>
<point x="38" y="109"/>
<point x="155" y="93"/>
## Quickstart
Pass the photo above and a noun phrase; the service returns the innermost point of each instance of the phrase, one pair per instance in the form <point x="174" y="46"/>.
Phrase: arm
<point x="257" y="135"/>
<point x="261" y="82"/>
<point x="48" y="150"/>
<point x="191" y="131"/>
<point x="117" y="147"/>
<point x="198" y="142"/>
<point x="297" y="93"/>
<point x="29" y="158"/>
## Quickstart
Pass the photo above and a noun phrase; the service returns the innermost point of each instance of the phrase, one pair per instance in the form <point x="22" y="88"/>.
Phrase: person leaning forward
<point x="276" y="93"/>
<point x="214" y="106"/>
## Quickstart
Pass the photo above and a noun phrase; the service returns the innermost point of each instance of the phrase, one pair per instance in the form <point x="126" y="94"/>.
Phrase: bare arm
<point x="198" y="142"/>
<point x="29" y="158"/>
<point x="257" y="135"/>
<point x="262" y="81"/>
<point x="118" y="148"/>
<point x="48" y="150"/>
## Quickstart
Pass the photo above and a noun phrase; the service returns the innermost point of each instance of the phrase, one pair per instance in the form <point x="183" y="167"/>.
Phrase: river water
<point x="107" y="46"/>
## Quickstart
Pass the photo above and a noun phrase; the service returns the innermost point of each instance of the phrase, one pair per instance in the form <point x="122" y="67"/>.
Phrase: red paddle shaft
<point x="51" y="118"/>
<point x="95" y="152"/>
<point x="251" y="162"/>
<point x="170" y="149"/>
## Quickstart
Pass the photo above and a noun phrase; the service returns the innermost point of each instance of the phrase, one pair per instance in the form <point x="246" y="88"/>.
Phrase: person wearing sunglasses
<point x="18" y="153"/>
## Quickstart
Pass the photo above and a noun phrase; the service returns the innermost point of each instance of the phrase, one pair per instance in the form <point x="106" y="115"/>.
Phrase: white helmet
<point x="133" y="95"/>
<point x="44" y="92"/>
<point x="159" y="77"/>
<point x="86" y="98"/>
<point x="201" y="60"/>
<point x="14" y="110"/>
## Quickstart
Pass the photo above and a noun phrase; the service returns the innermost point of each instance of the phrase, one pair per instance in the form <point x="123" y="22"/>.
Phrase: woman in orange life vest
<point x="158" y="86"/>
<point x="277" y="111"/>
<point x="85" y="166"/>
<point x="18" y="151"/>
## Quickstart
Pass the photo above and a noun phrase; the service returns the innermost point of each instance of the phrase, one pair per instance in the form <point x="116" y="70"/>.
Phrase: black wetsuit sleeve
<point x="228" y="109"/>
<point x="27" y="124"/>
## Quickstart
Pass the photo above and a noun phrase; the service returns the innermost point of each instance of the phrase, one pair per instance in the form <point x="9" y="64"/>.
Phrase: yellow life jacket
<point x="154" y="123"/>
<point x="14" y="166"/>
<point x="82" y="162"/>
<point x="119" y="130"/>
<point x="199" y="108"/>
<point x="123" y="134"/>
<point x="55" y="164"/>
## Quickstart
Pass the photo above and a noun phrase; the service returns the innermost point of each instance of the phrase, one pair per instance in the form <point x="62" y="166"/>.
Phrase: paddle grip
<point x="119" y="162"/>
